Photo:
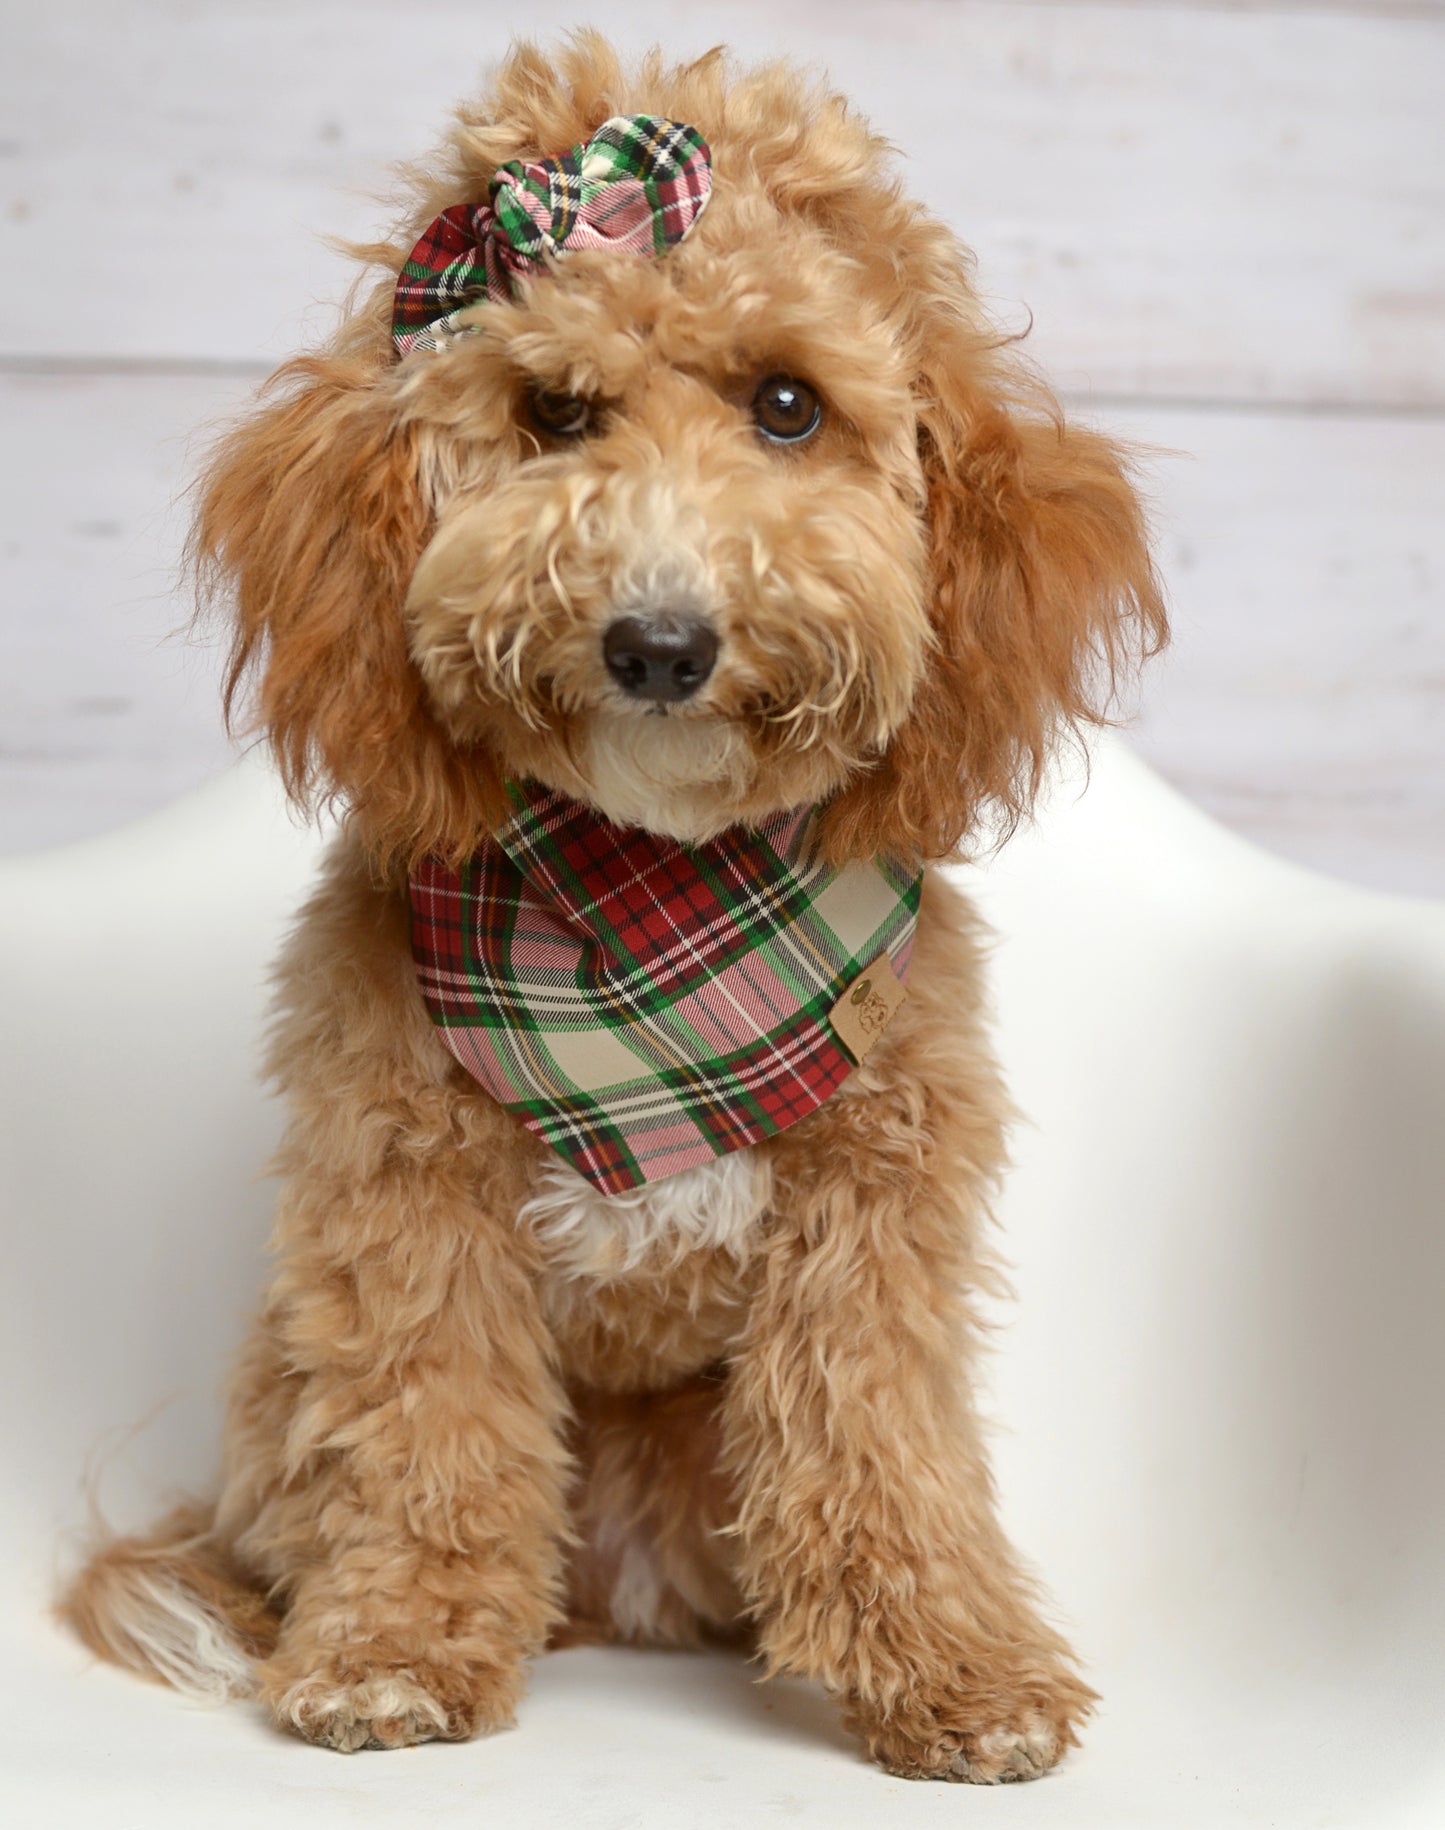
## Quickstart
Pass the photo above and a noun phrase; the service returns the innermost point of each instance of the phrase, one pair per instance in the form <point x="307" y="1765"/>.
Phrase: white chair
<point x="1223" y="1387"/>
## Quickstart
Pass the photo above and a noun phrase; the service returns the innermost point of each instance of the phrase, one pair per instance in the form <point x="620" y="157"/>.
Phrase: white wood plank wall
<point x="1228" y="222"/>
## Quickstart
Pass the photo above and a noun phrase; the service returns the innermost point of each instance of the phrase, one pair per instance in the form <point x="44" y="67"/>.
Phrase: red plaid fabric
<point x="645" y="1006"/>
<point x="636" y="187"/>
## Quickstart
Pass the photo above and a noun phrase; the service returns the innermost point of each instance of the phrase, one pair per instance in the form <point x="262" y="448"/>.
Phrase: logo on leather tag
<point x="866" y="1007"/>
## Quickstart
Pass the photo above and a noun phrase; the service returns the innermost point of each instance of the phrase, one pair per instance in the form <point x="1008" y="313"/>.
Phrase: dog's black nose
<point x="659" y="657"/>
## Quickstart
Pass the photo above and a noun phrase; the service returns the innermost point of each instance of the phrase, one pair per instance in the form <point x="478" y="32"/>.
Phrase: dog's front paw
<point x="987" y="1757"/>
<point x="980" y="1738"/>
<point x="350" y="1704"/>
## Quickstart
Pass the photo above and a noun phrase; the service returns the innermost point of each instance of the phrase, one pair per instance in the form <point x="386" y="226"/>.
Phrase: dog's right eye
<point x="786" y="411"/>
<point x="557" y="414"/>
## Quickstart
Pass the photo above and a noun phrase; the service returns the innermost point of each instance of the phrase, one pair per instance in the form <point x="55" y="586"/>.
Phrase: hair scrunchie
<point x="637" y="186"/>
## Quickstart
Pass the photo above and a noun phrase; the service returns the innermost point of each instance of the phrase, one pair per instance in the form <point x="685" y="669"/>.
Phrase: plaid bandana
<point x="644" y="1006"/>
<point x="637" y="186"/>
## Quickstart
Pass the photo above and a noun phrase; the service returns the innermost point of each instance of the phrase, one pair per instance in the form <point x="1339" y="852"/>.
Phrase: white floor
<point x="1228" y="222"/>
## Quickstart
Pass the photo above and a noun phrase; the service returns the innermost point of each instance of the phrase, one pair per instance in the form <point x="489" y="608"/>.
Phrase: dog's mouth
<point x="655" y="737"/>
<point x="676" y="700"/>
<point x="670" y="769"/>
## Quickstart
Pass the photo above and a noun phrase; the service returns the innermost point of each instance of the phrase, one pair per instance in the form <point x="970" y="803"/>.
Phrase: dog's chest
<point x="588" y="1238"/>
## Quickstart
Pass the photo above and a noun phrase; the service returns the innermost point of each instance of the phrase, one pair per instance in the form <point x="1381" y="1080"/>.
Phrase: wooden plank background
<point x="1227" y="221"/>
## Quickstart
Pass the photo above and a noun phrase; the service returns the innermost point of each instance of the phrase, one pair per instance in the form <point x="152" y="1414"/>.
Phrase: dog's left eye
<point x="559" y="415"/>
<point x="787" y="411"/>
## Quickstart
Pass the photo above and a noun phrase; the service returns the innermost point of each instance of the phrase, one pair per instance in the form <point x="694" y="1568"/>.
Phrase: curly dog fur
<point x="484" y="1409"/>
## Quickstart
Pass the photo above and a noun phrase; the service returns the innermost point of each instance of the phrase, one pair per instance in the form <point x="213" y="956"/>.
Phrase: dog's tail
<point x="174" y="1606"/>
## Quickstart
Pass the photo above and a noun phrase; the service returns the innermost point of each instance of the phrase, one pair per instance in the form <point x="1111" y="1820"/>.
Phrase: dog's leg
<point x="869" y="1544"/>
<point x="416" y="1533"/>
<point x="396" y="1469"/>
<point x="653" y="1561"/>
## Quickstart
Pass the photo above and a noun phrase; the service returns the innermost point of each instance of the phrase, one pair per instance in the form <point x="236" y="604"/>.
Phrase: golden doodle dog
<point x="664" y="568"/>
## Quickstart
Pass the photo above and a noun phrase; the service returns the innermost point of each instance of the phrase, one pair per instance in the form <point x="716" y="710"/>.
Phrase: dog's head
<point x="766" y="521"/>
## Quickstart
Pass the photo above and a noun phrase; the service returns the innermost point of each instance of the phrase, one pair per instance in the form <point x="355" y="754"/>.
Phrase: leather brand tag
<point x="866" y="1007"/>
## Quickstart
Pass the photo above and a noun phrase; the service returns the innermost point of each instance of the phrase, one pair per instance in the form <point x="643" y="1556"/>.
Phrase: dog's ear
<point x="1042" y="592"/>
<point x="309" y="523"/>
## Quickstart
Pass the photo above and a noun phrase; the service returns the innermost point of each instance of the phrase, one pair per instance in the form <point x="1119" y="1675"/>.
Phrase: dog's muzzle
<point x="663" y="659"/>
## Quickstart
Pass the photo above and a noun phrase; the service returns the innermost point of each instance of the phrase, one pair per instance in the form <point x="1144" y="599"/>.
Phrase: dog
<point x="665" y="568"/>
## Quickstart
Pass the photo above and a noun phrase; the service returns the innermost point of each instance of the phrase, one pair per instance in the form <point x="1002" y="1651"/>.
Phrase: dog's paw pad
<point x="390" y="1709"/>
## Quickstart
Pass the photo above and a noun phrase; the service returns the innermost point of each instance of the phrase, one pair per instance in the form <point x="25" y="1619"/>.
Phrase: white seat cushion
<point x="1224" y="1386"/>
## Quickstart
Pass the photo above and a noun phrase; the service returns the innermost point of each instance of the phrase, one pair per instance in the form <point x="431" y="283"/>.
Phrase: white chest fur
<point x="591" y="1236"/>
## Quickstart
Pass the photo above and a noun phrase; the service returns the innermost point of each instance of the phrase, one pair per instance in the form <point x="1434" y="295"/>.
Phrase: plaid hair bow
<point x="637" y="186"/>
